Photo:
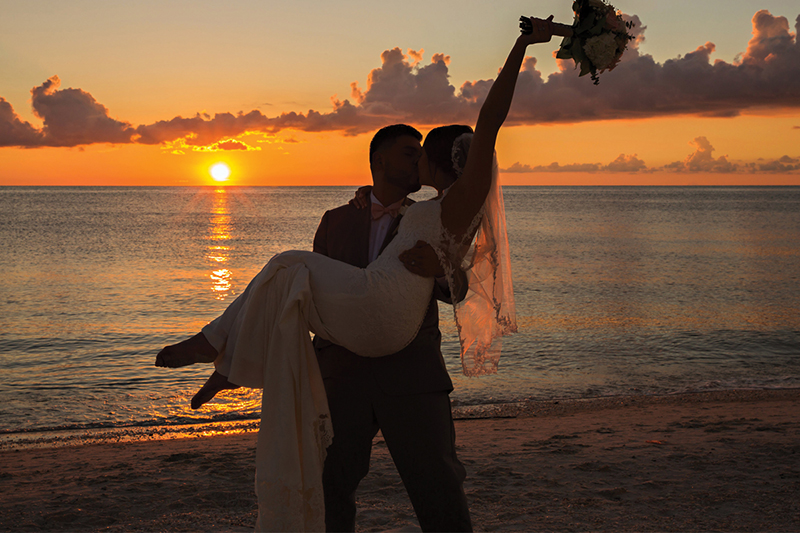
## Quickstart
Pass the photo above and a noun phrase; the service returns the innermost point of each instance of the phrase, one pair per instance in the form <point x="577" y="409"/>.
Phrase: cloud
<point x="14" y="131"/>
<point x="202" y="129"/>
<point x="233" y="144"/>
<point x="403" y="89"/>
<point x="180" y="146"/>
<point x="700" y="160"/>
<point x="397" y="91"/>
<point x="416" y="56"/>
<point x="766" y="75"/>
<point x="73" y="117"/>
<point x="623" y="163"/>
<point x="626" y="163"/>
<point x="553" y="167"/>
<point x="785" y="164"/>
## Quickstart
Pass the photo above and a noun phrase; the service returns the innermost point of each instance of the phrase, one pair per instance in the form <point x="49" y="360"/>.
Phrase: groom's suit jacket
<point x="343" y="234"/>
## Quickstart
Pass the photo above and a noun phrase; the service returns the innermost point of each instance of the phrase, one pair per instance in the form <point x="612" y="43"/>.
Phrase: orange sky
<point x="677" y="111"/>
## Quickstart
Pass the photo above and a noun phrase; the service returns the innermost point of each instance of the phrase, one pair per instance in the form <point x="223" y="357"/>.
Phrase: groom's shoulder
<point x="344" y="213"/>
<point x="344" y="210"/>
<point x="345" y="218"/>
<point x="337" y="228"/>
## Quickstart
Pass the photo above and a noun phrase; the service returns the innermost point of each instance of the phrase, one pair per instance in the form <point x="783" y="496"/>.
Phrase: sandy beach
<point x="718" y="461"/>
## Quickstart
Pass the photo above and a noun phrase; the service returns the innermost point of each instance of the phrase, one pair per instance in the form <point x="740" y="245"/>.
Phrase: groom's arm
<point x="320" y="246"/>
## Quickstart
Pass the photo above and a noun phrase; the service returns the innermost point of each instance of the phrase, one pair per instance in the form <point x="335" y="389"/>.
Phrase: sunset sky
<point x="289" y="93"/>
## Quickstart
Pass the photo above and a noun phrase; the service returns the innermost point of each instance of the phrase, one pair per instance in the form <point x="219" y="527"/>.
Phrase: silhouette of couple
<point x="369" y="292"/>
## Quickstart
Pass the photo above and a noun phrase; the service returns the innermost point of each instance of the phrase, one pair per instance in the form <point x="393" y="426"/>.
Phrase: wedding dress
<point x="263" y="339"/>
<point x="263" y="342"/>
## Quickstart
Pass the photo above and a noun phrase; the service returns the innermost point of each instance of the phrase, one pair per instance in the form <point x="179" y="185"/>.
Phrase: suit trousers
<point x="420" y="435"/>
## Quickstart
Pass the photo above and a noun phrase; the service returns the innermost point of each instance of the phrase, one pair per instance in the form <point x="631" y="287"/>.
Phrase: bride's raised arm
<point x="465" y="198"/>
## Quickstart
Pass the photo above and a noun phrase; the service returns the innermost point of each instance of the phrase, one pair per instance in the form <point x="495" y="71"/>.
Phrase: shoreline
<point x="148" y="432"/>
<point x="722" y="460"/>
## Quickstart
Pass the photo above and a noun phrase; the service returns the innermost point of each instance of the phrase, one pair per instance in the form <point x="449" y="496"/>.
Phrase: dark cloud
<point x="626" y="163"/>
<point x="399" y="91"/>
<point x="553" y="167"/>
<point x="766" y="75"/>
<point x="402" y="89"/>
<point x="233" y="144"/>
<point x="14" y="131"/>
<point x="202" y="129"/>
<point x="73" y="117"/>
<point x="702" y="160"/>
<point x="783" y="165"/>
<point x="623" y="163"/>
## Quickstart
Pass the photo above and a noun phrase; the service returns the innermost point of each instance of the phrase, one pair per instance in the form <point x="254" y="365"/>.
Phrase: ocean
<point x="619" y="291"/>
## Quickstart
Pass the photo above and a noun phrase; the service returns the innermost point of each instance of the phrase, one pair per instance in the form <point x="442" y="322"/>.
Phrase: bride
<point x="261" y="340"/>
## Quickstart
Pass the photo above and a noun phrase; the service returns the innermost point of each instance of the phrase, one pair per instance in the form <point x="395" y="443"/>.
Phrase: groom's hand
<point x="422" y="261"/>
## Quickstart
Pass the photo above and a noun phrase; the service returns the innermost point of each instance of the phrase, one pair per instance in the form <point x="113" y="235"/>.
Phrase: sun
<point x="220" y="172"/>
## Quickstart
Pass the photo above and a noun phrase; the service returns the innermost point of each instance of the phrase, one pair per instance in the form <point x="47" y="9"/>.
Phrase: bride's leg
<point x="217" y="382"/>
<point x="193" y="350"/>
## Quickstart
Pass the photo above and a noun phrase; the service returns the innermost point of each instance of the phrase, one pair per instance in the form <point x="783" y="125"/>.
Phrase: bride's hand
<point x="422" y="261"/>
<point x="361" y="199"/>
<point x="542" y="30"/>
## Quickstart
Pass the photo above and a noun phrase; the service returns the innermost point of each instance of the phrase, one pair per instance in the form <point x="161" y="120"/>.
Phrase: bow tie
<point x="378" y="210"/>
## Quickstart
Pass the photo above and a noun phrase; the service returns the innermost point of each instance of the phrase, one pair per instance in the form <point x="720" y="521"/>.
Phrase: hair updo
<point x="438" y="147"/>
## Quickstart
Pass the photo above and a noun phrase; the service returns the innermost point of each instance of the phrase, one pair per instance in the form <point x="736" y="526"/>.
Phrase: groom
<point x="404" y="395"/>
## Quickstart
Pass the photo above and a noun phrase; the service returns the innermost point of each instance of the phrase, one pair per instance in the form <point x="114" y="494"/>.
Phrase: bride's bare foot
<point x="193" y="350"/>
<point x="215" y="383"/>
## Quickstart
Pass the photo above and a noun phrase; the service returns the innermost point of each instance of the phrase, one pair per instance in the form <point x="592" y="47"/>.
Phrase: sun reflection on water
<point x="242" y="403"/>
<point x="221" y="283"/>
<point x="219" y="249"/>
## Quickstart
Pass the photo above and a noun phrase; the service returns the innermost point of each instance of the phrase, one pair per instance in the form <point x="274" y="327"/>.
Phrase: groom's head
<point x="393" y="156"/>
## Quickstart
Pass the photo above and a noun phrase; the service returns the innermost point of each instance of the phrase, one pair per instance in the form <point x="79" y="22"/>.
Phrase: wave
<point x="234" y="423"/>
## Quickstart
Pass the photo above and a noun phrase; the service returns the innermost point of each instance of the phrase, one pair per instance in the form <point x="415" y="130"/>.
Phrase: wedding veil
<point x="487" y="311"/>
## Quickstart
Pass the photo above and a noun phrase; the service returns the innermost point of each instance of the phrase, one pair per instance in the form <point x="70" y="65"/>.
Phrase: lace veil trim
<point x="487" y="312"/>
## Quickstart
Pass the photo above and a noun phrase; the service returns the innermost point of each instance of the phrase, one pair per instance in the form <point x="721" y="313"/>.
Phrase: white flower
<point x="601" y="50"/>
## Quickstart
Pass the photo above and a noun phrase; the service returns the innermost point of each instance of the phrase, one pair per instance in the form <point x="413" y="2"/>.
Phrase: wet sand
<point x="719" y="461"/>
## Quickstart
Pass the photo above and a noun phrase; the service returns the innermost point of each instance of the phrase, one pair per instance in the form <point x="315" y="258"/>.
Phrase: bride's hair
<point x="438" y="147"/>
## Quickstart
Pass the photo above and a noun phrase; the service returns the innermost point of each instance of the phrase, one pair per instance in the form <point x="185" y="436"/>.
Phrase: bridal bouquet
<point x="599" y="36"/>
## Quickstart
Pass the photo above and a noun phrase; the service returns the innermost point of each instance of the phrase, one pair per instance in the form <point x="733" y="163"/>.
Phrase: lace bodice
<point x="421" y="222"/>
<point x="385" y="297"/>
